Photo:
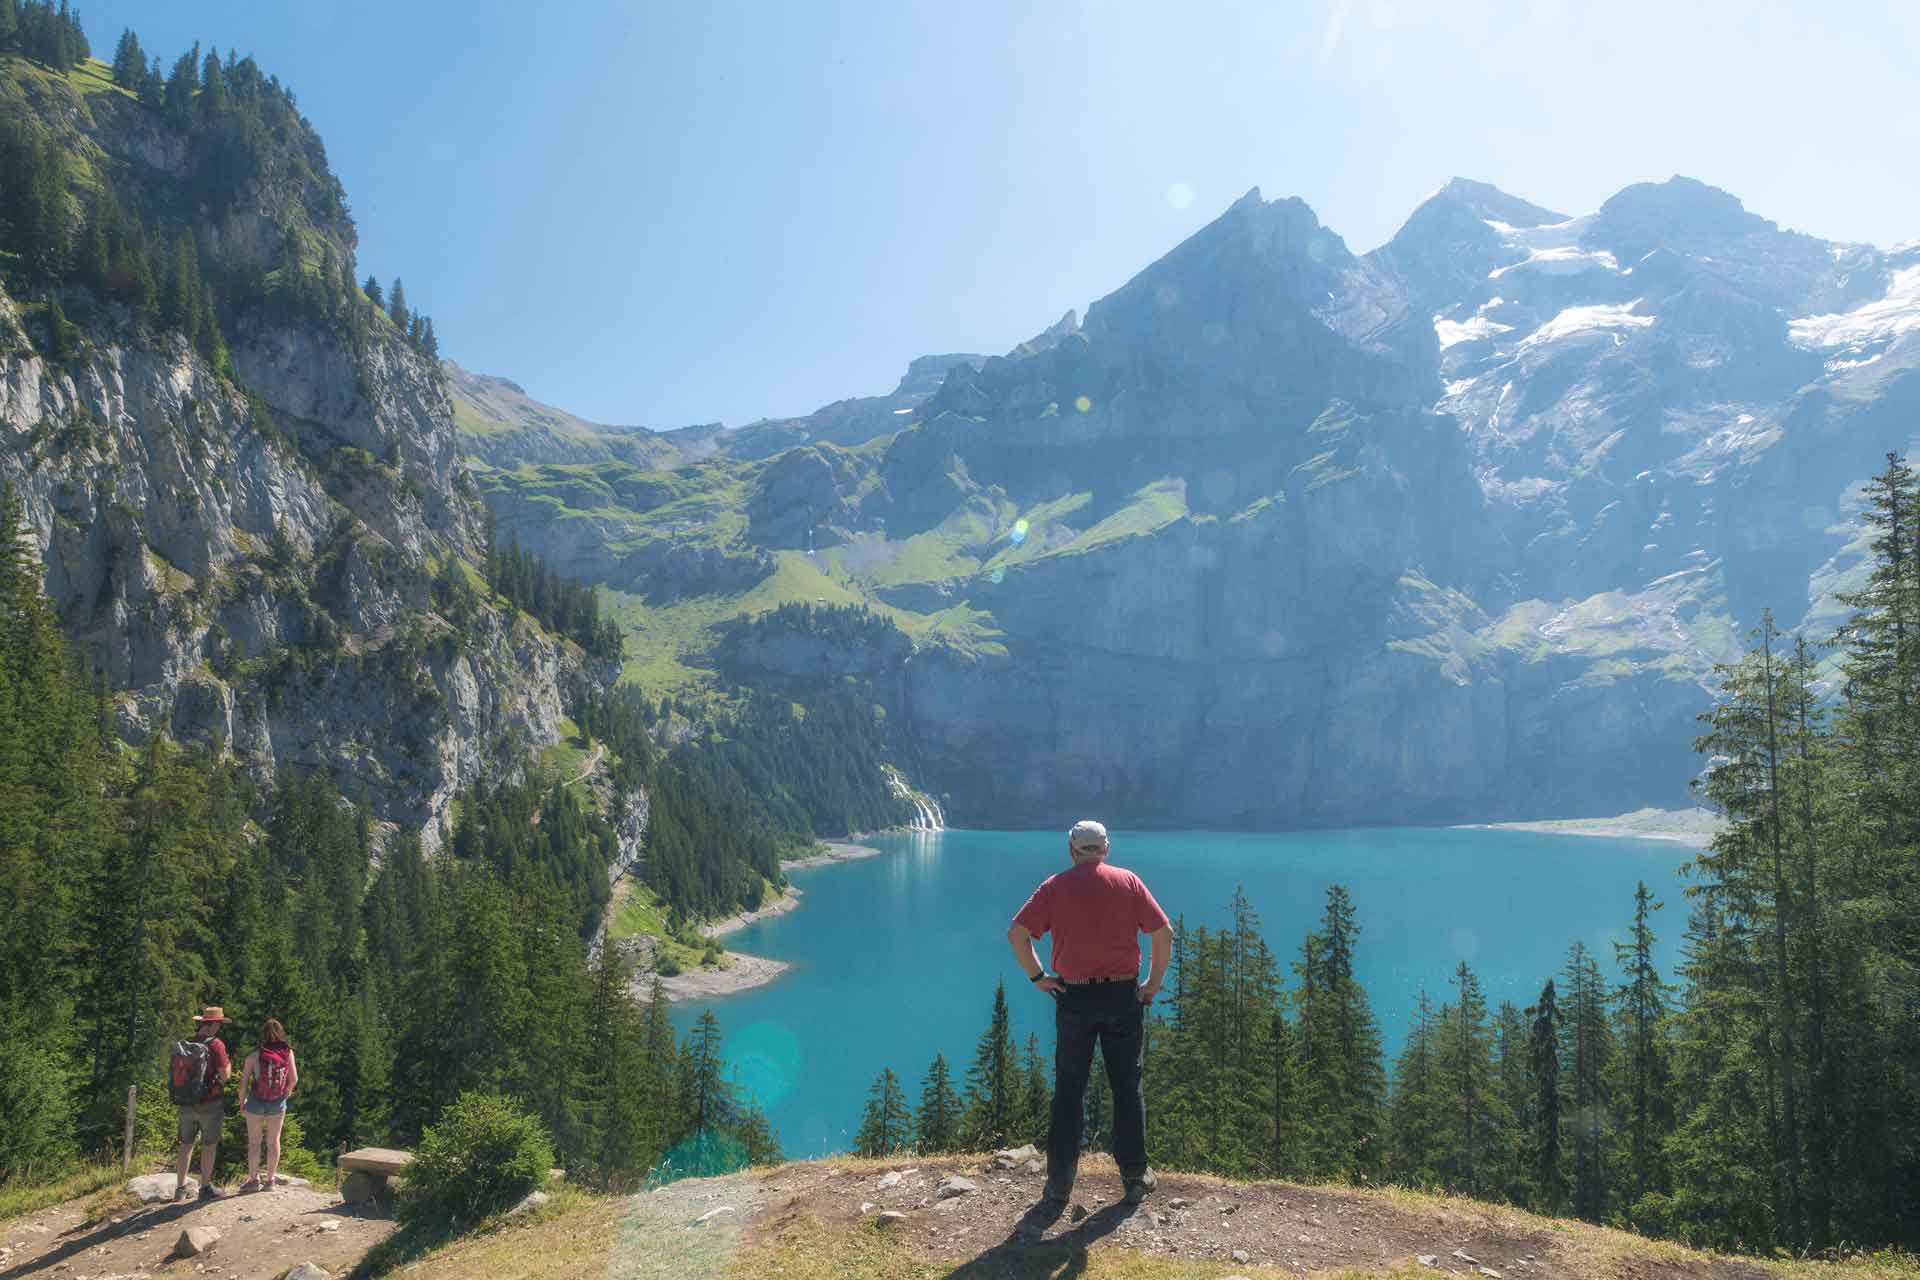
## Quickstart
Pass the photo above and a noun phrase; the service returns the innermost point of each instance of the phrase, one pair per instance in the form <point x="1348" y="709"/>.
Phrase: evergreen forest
<point x="137" y="884"/>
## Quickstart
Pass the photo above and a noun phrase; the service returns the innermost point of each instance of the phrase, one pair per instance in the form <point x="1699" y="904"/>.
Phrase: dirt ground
<point x="112" y="1236"/>
<point x="1296" y="1229"/>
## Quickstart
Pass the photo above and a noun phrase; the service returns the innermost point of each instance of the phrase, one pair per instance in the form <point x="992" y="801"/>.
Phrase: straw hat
<point x="212" y="1013"/>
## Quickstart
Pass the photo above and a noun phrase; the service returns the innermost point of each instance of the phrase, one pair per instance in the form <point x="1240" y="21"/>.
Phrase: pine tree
<point x="129" y="62"/>
<point x="887" y="1126"/>
<point x="1586" y="1045"/>
<point x="397" y="306"/>
<point x="992" y="1082"/>
<point x="1036" y="1099"/>
<point x="1340" y="1044"/>
<point x="1642" y="1004"/>
<point x="1467" y="1066"/>
<point x="939" y="1117"/>
<point x="1549" y="1178"/>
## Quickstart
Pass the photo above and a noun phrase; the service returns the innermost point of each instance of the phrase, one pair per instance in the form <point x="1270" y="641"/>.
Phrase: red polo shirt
<point x="1096" y="913"/>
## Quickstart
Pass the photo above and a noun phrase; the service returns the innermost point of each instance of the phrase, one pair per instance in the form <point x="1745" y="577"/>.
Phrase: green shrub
<point x="483" y="1155"/>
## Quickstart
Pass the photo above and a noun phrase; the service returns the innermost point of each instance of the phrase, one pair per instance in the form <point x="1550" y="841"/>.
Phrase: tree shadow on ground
<point x="79" y="1239"/>
<point x="1026" y="1255"/>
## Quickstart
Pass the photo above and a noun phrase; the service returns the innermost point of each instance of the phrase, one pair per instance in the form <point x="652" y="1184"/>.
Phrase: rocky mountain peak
<point x="1486" y="201"/>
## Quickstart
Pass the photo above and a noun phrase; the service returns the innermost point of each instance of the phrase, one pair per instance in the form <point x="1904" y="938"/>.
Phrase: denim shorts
<point x="258" y="1107"/>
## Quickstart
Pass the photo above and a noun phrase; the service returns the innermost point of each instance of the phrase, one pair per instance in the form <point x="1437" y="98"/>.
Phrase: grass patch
<point x="638" y="911"/>
<point x="20" y="1198"/>
<point x="1151" y="509"/>
<point x="800" y="1247"/>
<point x="567" y="757"/>
<point x="661" y="641"/>
<point x="469" y="421"/>
<point x="570" y="1235"/>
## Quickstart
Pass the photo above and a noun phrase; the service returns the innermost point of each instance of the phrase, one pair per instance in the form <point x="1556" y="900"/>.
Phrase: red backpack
<point x="188" y="1071"/>
<point x="273" y="1076"/>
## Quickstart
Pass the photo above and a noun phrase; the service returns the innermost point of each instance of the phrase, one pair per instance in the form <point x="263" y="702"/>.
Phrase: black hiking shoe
<point x="1140" y="1188"/>
<point x="210" y="1192"/>
<point x="1056" y="1195"/>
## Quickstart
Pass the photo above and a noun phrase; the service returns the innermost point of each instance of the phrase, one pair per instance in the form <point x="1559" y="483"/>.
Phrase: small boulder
<point x="1178" y="1202"/>
<point x="1466" y="1257"/>
<point x="1427" y="1259"/>
<point x="329" y="1226"/>
<point x="866" y="1207"/>
<point x="306" y="1271"/>
<point x="1242" y="1256"/>
<point x="157" y="1188"/>
<point x="1034" y="1166"/>
<point x="532" y="1200"/>
<point x="1015" y="1155"/>
<point x="195" y="1241"/>
<point x="888" y="1181"/>
<point x="951" y="1187"/>
<point x="890" y="1218"/>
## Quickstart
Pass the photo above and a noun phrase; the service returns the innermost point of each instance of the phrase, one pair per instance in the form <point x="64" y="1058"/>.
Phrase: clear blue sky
<point x="665" y="213"/>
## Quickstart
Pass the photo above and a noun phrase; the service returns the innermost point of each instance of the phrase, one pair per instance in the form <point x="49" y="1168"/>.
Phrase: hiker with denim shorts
<point x="198" y="1074"/>
<point x="1095" y="912"/>
<point x="267" y="1080"/>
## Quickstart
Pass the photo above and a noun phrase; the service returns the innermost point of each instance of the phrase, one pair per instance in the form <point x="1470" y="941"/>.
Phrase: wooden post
<point x="126" y="1139"/>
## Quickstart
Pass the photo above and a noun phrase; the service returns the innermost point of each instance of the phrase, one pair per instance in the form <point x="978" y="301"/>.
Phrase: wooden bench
<point x="368" y="1170"/>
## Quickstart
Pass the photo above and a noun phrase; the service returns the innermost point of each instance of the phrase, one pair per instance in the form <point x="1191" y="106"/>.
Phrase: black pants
<point x="1111" y="1014"/>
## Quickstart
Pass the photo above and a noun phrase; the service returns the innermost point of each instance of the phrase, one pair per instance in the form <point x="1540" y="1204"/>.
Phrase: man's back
<point x="1096" y="913"/>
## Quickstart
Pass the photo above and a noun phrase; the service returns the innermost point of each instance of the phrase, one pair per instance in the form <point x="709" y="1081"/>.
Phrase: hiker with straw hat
<point x="197" y="1075"/>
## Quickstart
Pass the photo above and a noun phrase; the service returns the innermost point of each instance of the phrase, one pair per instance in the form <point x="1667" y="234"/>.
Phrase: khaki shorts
<point x="203" y="1121"/>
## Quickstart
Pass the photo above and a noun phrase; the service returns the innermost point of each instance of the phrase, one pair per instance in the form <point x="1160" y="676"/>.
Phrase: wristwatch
<point x="1036" y="977"/>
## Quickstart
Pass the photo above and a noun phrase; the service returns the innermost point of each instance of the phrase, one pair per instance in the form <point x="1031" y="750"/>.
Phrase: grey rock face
<point x="271" y="594"/>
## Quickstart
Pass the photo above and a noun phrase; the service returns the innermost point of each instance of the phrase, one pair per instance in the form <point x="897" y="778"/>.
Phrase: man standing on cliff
<point x="1095" y="912"/>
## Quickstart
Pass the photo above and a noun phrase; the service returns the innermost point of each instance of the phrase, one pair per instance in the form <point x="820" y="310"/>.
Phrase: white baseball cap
<point x="1087" y="836"/>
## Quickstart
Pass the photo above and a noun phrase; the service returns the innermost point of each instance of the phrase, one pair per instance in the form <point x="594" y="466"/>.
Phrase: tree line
<point x="242" y="127"/>
<point x="38" y="30"/>
<point x="563" y="605"/>
<point x="137" y="885"/>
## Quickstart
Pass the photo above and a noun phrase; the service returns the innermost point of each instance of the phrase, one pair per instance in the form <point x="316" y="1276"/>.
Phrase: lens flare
<point x="997" y="577"/>
<point x="1082" y="404"/>
<point x="1019" y="532"/>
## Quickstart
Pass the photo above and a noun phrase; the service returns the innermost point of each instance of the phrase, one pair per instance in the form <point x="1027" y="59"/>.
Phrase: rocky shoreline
<point x="836" y="851"/>
<point x="1694" y="828"/>
<point x="744" y="972"/>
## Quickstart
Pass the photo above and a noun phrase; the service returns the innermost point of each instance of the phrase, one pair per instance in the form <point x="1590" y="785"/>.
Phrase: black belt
<point x="1094" y="982"/>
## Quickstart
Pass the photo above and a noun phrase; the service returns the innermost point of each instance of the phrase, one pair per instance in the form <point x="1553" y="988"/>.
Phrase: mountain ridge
<point x="1453" y="530"/>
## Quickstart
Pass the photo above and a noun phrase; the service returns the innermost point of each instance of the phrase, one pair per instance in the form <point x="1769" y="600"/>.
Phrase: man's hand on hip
<point x="1146" y="992"/>
<point x="1051" y="985"/>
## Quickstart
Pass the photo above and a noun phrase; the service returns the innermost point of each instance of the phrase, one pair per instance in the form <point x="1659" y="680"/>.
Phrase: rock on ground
<point x="157" y="1188"/>
<point x="306" y="1271"/>
<point x="195" y="1241"/>
<point x="956" y="1186"/>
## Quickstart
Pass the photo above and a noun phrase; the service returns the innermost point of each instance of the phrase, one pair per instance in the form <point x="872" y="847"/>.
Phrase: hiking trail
<point x="113" y="1235"/>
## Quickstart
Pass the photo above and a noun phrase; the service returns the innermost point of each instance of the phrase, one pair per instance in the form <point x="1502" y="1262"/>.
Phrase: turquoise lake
<point x="895" y="957"/>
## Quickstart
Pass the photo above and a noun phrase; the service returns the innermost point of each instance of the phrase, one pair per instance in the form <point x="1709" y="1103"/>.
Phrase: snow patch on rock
<point x="1453" y="332"/>
<point x="1587" y="320"/>
<point x="1890" y="316"/>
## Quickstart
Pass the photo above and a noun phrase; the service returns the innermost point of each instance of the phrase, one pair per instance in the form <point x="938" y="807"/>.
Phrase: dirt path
<point x="693" y="1228"/>
<point x="112" y="1236"/>
<point x="592" y="765"/>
